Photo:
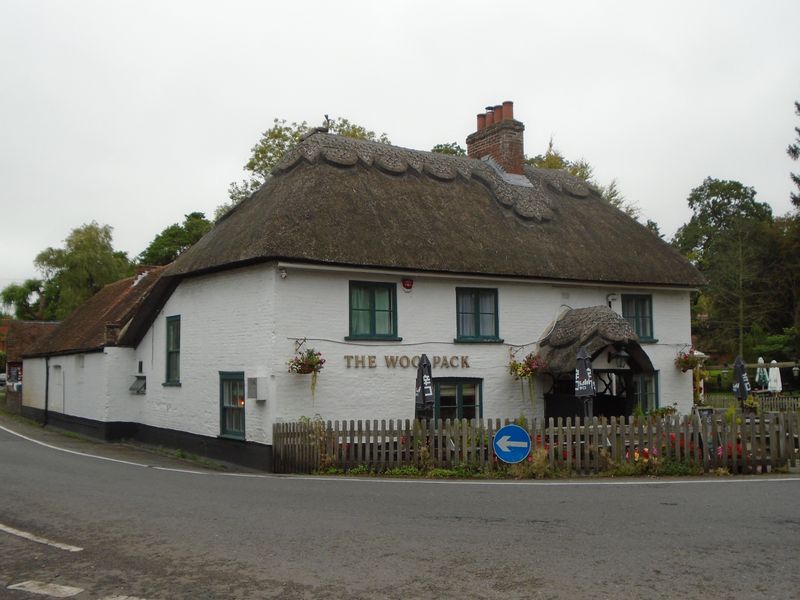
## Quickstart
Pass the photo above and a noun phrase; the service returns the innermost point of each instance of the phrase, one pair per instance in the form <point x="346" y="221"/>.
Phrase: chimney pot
<point x="499" y="136"/>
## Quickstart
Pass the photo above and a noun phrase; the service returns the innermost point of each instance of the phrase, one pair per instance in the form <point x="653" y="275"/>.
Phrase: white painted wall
<point x="227" y="324"/>
<point x="248" y="320"/>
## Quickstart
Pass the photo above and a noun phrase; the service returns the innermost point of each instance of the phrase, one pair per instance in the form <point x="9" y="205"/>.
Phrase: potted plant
<point x="527" y="367"/>
<point x="686" y="361"/>
<point x="306" y="362"/>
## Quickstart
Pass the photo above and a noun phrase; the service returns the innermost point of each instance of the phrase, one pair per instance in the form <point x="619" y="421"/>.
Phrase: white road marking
<point x="46" y="589"/>
<point x="115" y="460"/>
<point x="39" y="540"/>
<point x="573" y="482"/>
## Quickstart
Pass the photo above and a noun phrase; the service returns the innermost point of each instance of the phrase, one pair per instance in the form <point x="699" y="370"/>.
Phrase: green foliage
<point x="27" y="299"/>
<point x="359" y="470"/>
<point x="3" y="358"/>
<point x="274" y="143"/>
<point x="175" y="239"/>
<point x="794" y="152"/>
<point x="537" y="466"/>
<point x="581" y="168"/>
<point x="779" y="346"/>
<point x="405" y="471"/>
<point x="653" y="226"/>
<point x="72" y="274"/>
<point x="452" y="148"/>
<point x="733" y="240"/>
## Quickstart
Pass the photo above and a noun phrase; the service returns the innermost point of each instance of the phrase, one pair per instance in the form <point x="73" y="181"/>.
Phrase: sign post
<point x="511" y="444"/>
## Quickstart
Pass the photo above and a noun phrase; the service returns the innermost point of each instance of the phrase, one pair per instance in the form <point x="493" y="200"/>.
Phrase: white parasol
<point x="762" y="379"/>
<point x="775" y="384"/>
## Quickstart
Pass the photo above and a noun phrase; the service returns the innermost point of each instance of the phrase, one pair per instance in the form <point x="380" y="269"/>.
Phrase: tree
<point x="26" y="298"/>
<point x="81" y="268"/>
<point x="451" y="148"/>
<point x="794" y="152"/>
<point x="731" y="239"/>
<point x="582" y="169"/>
<point x="274" y="143"/>
<point x="175" y="239"/>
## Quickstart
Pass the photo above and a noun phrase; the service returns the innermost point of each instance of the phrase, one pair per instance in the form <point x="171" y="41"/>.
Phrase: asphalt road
<point x="153" y="533"/>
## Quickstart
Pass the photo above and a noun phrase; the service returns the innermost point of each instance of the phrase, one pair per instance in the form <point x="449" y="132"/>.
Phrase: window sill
<point x="171" y="384"/>
<point x="382" y="338"/>
<point x="478" y="340"/>
<point x="648" y="340"/>
<point x="230" y="436"/>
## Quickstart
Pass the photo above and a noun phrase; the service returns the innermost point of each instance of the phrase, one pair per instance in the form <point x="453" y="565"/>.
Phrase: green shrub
<point x="406" y="471"/>
<point x="359" y="470"/>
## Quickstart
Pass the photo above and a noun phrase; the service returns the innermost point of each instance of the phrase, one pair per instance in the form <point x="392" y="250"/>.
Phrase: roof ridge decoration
<point x="527" y="198"/>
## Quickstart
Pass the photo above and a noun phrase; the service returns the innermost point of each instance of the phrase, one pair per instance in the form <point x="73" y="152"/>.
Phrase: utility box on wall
<point x="257" y="389"/>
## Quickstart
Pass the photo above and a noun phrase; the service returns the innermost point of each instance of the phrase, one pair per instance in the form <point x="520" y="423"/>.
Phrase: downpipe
<point x="46" y="389"/>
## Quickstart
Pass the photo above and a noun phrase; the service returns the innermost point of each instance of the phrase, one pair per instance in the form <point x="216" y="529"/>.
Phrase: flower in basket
<point x="306" y="362"/>
<point x="527" y="367"/>
<point x="686" y="361"/>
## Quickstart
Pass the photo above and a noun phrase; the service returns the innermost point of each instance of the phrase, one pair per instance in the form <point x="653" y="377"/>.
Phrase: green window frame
<point x="477" y="315"/>
<point x="645" y="391"/>
<point x="457" y="398"/>
<point x="231" y="404"/>
<point x="373" y="311"/>
<point x="637" y="309"/>
<point x="173" y="368"/>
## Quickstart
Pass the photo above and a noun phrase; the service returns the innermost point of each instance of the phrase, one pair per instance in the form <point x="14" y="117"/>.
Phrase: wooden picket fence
<point x="766" y="402"/>
<point x="750" y="444"/>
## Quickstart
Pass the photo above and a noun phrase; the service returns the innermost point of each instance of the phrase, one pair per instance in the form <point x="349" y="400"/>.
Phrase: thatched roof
<point x="594" y="327"/>
<point x="100" y="320"/>
<point x="342" y="201"/>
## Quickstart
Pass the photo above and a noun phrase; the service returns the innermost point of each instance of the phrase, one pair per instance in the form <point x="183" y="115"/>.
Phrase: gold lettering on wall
<point x="393" y="361"/>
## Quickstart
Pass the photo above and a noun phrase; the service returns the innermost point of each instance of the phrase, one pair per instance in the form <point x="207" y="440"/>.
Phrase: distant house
<point x="21" y="337"/>
<point x="374" y="254"/>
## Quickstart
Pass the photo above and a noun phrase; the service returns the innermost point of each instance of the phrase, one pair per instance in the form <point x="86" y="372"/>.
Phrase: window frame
<point x="223" y="431"/>
<point x="458" y="382"/>
<point x="170" y="378"/>
<point x="480" y="337"/>
<point x="372" y="286"/>
<point x="638" y="383"/>
<point x="636" y="319"/>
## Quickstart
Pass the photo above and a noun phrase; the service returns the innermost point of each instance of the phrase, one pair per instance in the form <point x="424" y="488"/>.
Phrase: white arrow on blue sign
<point x="512" y="444"/>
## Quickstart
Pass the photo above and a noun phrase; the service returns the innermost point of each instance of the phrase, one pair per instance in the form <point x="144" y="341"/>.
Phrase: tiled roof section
<point x="97" y="322"/>
<point x="595" y="327"/>
<point x="23" y="336"/>
<point x="336" y="200"/>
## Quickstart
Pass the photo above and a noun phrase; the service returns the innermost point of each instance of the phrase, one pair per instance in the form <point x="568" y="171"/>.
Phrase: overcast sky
<point x="133" y="114"/>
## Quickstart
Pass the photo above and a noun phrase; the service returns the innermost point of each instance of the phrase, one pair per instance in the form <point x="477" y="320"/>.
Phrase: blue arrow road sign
<point x="512" y="444"/>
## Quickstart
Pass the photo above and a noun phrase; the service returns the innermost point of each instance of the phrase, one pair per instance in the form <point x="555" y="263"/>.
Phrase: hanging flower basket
<point x="686" y="361"/>
<point x="527" y="367"/>
<point x="307" y="362"/>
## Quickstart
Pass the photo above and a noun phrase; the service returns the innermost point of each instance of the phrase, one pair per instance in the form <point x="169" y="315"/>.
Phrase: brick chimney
<point x="499" y="136"/>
